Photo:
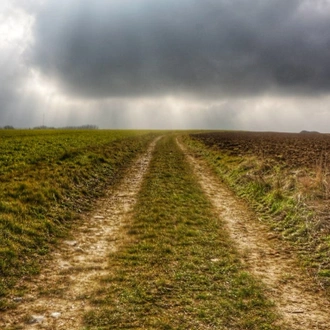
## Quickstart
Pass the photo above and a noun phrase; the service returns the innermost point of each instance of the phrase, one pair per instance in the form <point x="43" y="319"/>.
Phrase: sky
<point x="261" y="65"/>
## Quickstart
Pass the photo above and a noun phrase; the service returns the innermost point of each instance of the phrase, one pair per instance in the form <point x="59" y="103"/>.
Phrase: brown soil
<point x="297" y="298"/>
<point x="58" y="298"/>
<point x="289" y="149"/>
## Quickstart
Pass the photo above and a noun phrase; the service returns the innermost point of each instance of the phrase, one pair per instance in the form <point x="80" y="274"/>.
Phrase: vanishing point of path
<point x="58" y="298"/>
<point x="296" y="299"/>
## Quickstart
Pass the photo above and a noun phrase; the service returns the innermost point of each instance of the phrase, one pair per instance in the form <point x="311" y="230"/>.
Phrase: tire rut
<point x="288" y="286"/>
<point x="59" y="296"/>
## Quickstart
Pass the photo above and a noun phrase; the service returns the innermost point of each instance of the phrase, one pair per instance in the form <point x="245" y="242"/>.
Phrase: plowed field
<point x="290" y="149"/>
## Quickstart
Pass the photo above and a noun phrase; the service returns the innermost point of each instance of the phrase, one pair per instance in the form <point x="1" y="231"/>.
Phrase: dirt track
<point x="58" y="298"/>
<point x="293" y="293"/>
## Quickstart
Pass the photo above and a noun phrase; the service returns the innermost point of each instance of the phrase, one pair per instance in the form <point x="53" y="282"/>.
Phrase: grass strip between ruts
<point x="178" y="268"/>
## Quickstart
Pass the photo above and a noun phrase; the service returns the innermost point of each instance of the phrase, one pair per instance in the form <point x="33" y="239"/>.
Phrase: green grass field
<point x="176" y="266"/>
<point x="47" y="179"/>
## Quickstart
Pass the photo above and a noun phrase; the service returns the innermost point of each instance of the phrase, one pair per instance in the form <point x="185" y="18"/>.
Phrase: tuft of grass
<point x="178" y="268"/>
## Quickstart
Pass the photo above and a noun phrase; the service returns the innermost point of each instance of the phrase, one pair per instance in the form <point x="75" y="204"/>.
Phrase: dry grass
<point x="293" y="201"/>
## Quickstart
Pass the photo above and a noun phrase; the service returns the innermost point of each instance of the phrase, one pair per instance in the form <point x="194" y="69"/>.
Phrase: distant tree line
<point x="43" y="127"/>
<point x="7" y="127"/>
<point x="68" y="127"/>
<point x="49" y="127"/>
<point x="81" y="127"/>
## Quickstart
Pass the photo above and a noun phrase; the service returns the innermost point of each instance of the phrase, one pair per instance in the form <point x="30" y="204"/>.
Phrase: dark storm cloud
<point x="11" y="82"/>
<point x="210" y="47"/>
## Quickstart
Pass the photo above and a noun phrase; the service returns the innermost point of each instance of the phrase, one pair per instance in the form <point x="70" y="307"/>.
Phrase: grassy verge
<point x="40" y="199"/>
<point x="282" y="197"/>
<point x="178" y="268"/>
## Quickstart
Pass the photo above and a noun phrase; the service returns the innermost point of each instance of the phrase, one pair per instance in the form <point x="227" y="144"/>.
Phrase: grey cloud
<point x="169" y="64"/>
<point x="12" y="81"/>
<point x="206" y="48"/>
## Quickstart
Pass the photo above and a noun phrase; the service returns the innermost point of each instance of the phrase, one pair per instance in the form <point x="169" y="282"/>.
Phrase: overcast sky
<point x="211" y="64"/>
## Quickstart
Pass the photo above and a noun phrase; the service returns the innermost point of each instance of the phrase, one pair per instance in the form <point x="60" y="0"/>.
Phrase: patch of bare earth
<point x="58" y="297"/>
<point x="296" y="296"/>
